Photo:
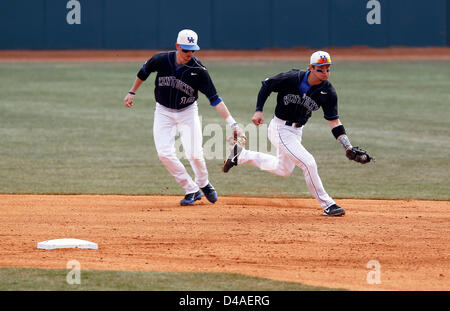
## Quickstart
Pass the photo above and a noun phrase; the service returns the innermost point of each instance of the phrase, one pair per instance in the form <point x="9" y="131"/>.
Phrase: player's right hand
<point x="238" y="136"/>
<point x="129" y="100"/>
<point x="258" y="118"/>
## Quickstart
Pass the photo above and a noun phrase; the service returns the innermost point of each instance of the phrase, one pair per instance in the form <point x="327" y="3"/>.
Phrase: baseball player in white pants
<point x="290" y="153"/>
<point x="179" y="77"/>
<point x="299" y="94"/>
<point x="166" y="123"/>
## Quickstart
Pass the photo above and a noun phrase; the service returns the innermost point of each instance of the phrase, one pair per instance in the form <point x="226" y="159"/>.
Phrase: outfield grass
<point x="18" y="279"/>
<point x="65" y="129"/>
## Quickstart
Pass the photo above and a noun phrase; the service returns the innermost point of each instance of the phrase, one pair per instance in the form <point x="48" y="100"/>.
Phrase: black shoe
<point x="190" y="198"/>
<point x="232" y="158"/>
<point x="210" y="193"/>
<point x="334" y="210"/>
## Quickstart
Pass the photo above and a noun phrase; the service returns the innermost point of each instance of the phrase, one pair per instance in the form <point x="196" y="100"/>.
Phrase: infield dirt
<point x="278" y="238"/>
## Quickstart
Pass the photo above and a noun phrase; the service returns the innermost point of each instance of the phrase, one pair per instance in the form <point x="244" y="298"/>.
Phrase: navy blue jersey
<point x="295" y="105"/>
<point x="177" y="87"/>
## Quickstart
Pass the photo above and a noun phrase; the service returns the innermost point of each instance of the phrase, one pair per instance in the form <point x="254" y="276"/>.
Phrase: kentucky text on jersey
<point x="306" y="102"/>
<point x="177" y="84"/>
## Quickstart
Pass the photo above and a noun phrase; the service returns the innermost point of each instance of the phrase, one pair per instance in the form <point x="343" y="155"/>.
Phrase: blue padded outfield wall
<point x="228" y="24"/>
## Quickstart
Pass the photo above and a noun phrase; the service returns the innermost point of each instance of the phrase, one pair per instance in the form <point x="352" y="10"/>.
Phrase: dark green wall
<point x="231" y="24"/>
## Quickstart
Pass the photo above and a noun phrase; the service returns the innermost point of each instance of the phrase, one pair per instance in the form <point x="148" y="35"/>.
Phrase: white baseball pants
<point x="165" y="125"/>
<point x="290" y="153"/>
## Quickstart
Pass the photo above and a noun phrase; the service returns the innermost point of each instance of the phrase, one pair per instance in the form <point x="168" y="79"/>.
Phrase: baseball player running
<point x="299" y="94"/>
<point x="180" y="75"/>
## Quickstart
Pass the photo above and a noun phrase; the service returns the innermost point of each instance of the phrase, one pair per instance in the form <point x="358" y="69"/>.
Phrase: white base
<point x="67" y="243"/>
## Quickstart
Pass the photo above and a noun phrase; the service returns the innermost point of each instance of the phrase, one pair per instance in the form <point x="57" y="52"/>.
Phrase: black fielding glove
<point x="358" y="155"/>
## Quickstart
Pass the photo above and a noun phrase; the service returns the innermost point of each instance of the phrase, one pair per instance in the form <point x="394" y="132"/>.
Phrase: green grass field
<point x="54" y="279"/>
<point x="65" y="129"/>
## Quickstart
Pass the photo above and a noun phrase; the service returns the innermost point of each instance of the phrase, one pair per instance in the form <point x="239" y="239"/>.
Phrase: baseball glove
<point x="359" y="155"/>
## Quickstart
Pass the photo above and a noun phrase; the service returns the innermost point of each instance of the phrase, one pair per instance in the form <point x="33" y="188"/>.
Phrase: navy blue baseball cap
<point x="187" y="39"/>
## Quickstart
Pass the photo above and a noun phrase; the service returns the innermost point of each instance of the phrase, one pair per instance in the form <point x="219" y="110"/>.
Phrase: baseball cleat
<point x="334" y="210"/>
<point x="232" y="158"/>
<point x="190" y="198"/>
<point x="210" y="193"/>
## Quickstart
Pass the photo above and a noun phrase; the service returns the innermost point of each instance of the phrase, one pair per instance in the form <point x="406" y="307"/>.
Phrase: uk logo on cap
<point x="324" y="59"/>
<point x="320" y="58"/>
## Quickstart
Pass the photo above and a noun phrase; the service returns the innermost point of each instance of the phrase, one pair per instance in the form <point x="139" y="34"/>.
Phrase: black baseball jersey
<point x="177" y="86"/>
<point x="296" y="100"/>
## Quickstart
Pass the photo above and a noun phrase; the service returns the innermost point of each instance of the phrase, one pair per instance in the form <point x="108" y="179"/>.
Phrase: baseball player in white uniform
<point x="180" y="75"/>
<point x="299" y="94"/>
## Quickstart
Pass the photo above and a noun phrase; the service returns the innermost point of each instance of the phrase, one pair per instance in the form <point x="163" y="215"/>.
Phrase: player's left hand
<point x="359" y="155"/>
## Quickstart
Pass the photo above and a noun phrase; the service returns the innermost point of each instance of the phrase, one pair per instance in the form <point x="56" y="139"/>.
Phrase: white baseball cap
<point x="320" y="58"/>
<point x="187" y="39"/>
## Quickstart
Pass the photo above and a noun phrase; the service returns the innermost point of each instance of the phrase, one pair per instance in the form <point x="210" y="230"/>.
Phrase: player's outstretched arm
<point x="338" y="131"/>
<point x="238" y="133"/>
<point x="128" y="100"/>
<point x="353" y="153"/>
<point x="223" y="110"/>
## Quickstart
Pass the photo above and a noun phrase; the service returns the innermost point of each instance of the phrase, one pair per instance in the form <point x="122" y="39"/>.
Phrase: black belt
<point x="293" y="124"/>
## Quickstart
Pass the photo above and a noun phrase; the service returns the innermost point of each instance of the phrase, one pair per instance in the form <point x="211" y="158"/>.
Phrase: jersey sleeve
<point x="149" y="66"/>
<point x="269" y="85"/>
<point x="207" y="87"/>
<point x="275" y="83"/>
<point x="330" y="108"/>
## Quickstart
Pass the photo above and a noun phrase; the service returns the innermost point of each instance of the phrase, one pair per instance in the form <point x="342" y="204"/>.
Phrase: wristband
<point x="132" y="93"/>
<point x="230" y="120"/>
<point x="338" y="131"/>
